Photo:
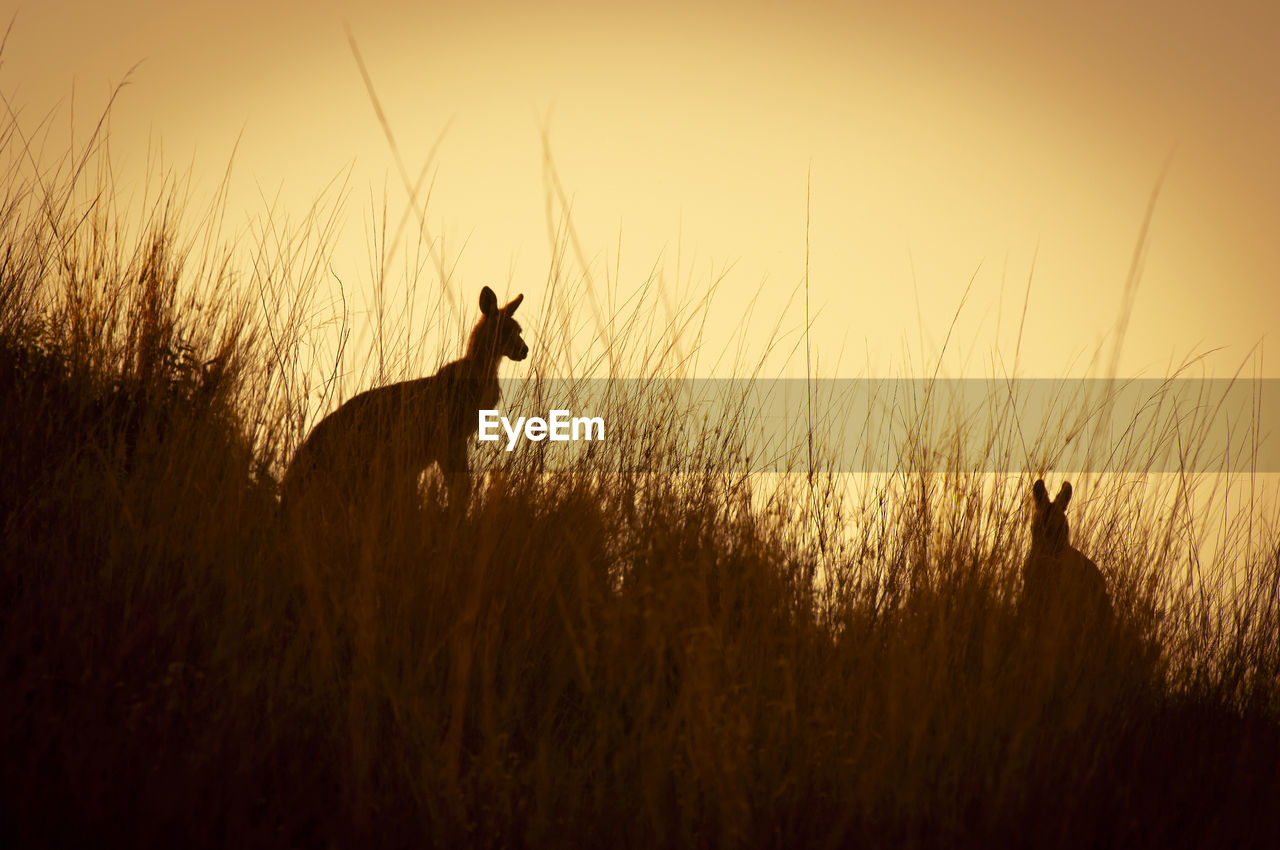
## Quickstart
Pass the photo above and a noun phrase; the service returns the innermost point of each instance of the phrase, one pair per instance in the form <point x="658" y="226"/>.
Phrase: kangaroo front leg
<point x="458" y="475"/>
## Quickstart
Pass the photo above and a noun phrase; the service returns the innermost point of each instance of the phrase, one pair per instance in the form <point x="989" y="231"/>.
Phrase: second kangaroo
<point x="380" y="441"/>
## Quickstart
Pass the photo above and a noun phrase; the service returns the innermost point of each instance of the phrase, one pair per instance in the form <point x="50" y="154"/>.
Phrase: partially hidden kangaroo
<point x="1059" y="583"/>
<point x="380" y="442"/>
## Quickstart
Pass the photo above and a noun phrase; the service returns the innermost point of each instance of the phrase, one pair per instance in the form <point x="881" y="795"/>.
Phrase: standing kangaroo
<point x="1060" y="584"/>
<point x="382" y="440"/>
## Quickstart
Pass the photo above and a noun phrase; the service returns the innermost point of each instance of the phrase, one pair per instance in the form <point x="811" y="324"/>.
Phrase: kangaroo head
<point x="497" y="335"/>
<point x="1050" y="533"/>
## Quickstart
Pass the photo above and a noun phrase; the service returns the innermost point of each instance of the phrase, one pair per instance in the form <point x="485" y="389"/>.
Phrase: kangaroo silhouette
<point x="379" y="442"/>
<point x="1059" y="583"/>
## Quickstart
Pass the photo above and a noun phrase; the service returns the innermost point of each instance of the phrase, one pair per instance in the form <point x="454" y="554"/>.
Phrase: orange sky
<point x="942" y="138"/>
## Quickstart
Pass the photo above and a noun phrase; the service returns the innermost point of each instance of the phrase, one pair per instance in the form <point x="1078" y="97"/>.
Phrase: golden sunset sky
<point x="942" y="138"/>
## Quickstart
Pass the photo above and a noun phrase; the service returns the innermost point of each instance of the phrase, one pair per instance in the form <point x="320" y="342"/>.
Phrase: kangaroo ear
<point x="488" y="302"/>
<point x="515" y="302"/>
<point x="1040" y="494"/>
<point x="1064" y="495"/>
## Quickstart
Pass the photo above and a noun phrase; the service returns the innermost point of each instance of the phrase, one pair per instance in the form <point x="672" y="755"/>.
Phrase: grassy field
<point x="649" y="648"/>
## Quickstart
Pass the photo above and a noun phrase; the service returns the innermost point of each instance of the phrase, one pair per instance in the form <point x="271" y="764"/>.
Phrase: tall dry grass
<point x="650" y="646"/>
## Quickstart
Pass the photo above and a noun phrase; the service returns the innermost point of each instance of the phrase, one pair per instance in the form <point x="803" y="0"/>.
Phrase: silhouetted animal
<point x="385" y="438"/>
<point x="1058" y="581"/>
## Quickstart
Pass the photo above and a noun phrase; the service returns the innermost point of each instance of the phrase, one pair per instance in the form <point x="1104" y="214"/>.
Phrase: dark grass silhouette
<point x="647" y="648"/>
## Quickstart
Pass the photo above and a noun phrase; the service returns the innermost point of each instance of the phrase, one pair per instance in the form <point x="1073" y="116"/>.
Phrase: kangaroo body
<point x="379" y="443"/>
<point x="1058" y="581"/>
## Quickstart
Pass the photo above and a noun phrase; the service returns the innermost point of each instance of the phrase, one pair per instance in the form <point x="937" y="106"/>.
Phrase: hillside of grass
<point x="650" y="647"/>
